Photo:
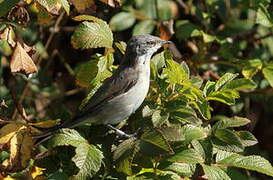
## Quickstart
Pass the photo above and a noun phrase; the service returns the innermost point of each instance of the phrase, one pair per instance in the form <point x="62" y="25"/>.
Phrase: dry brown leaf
<point x="8" y="131"/>
<point x="83" y="4"/>
<point x="112" y="3"/>
<point x="26" y="150"/>
<point x="21" y="62"/>
<point x="9" y="35"/>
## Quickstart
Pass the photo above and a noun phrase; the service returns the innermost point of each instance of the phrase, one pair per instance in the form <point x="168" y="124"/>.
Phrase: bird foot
<point x="121" y="134"/>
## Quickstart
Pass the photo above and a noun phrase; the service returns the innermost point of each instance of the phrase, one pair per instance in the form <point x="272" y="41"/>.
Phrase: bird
<point x="121" y="94"/>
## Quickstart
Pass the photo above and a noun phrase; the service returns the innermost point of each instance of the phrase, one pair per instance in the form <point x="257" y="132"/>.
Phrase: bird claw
<point x="121" y="134"/>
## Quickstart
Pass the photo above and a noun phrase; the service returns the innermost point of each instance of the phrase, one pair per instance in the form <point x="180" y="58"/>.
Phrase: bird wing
<point x="121" y="81"/>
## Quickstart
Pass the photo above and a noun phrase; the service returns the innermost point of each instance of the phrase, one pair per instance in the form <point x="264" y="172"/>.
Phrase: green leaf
<point x="226" y="96"/>
<point x="207" y="38"/>
<point x="65" y="5"/>
<point x="183" y="169"/>
<point x="5" y="48"/>
<point x="204" y="148"/>
<point x="157" y="119"/>
<point x="124" y="155"/>
<point x="224" y="79"/>
<point x="65" y="137"/>
<point x="6" y="5"/>
<point x="174" y="72"/>
<point x="268" y="74"/>
<point x="88" y="159"/>
<point x="154" y="143"/>
<point x="247" y="138"/>
<point x="122" y="21"/>
<point x="251" y="67"/>
<point x="192" y="132"/>
<point x="214" y="173"/>
<point x="184" y="29"/>
<point x="172" y="133"/>
<point x="264" y="17"/>
<point x="92" y="35"/>
<point x="241" y="84"/>
<point x="48" y="4"/>
<point x="187" y="156"/>
<point x="204" y="109"/>
<point x="235" y="121"/>
<point x="227" y="140"/>
<point x="208" y="88"/>
<point x="255" y="163"/>
<point x="144" y="27"/>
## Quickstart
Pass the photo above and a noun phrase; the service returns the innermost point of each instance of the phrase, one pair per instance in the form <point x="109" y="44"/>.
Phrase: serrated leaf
<point x="144" y="27"/>
<point x="182" y="169"/>
<point x="264" y="17"/>
<point x="215" y="173"/>
<point x="122" y="21"/>
<point x="65" y="137"/>
<point x="224" y="79"/>
<point x="235" y="121"/>
<point x="124" y="154"/>
<point x="157" y="119"/>
<point x="251" y="67"/>
<point x="172" y="133"/>
<point x="174" y="72"/>
<point x="187" y="156"/>
<point x="247" y="138"/>
<point x="241" y="84"/>
<point x="192" y="132"/>
<point x="92" y="35"/>
<point x="228" y="136"/>
<point x="268" y="74"/>
<point x="155" y="138"/>
<point x="255" y="163"/>
<point x="204" y="148"/>
<point x="88" y="159"/>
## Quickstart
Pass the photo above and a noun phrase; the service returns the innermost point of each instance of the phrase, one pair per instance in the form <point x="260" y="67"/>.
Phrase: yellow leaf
<point x="46" y="124"/>
<point x="36" y="171"/>
<point x="28" y="1"/>
<point x="26" y="150"/>
<point x="8" y="131"/>
<point x="15" y="144"/>
<point x="83" y="4"/>
<point x="21" y="62"/>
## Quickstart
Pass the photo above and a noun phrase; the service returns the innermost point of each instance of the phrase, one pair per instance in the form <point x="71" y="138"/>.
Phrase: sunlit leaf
<point x="215" y="173"/>
<point x="268" y="74"/>
<point x="187" y="156"/>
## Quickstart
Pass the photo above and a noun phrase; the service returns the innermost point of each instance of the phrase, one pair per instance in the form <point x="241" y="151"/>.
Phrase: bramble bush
<point x="210" y="91"/>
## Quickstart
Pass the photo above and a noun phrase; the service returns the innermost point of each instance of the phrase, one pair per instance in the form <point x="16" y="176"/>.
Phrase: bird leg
<point x="120" y="133"/>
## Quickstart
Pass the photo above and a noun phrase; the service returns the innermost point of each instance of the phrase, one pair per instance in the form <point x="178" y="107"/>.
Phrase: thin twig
<point x="39" y="60"/>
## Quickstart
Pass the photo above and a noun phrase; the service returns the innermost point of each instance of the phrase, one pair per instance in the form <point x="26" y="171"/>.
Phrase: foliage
<point x="196" y="121"/>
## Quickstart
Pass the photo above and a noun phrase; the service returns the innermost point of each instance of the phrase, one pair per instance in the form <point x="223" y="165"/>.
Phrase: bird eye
<point x="151" y="43"/>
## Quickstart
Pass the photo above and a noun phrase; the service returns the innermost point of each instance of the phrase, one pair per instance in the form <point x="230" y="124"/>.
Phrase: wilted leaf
<point x="92" y="35"/>
<point x="82" y="4"/>
<point x="8" y="131"/>
<point x="122" y="21"/>
<point x="215" y="173"/>
<point x="8" y="34"/>
<point x="21" y="62"/>
<point x="15" y="144"/>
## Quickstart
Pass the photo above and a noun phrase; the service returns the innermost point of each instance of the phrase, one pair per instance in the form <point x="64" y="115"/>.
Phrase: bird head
<point x="144" y="45"/>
